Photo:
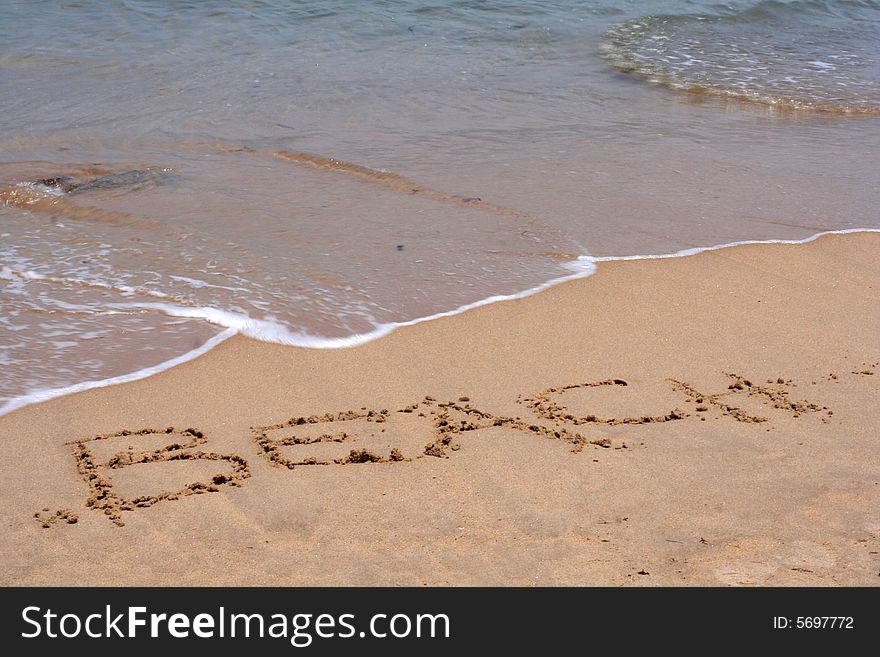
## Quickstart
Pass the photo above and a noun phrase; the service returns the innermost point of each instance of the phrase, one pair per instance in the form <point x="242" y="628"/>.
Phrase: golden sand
<point x="694" y="421"/>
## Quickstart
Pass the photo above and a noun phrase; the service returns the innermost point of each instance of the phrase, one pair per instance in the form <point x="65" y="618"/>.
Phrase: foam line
<point x="702" y="249"/>
<point x="45" y="395"/>
<point x="268" y="331"/>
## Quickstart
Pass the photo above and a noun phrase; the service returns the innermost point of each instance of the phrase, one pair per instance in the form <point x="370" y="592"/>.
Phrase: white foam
<point x="702" y="249"/>
<point x="276" y="332"/>
<point x="43" y="189"/>
<point x="47" y="394"/>
<point x="29" y="275"/>
<point x="269" y="331"/>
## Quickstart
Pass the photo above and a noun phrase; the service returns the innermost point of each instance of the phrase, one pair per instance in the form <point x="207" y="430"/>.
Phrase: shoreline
<point x="715" y="424"/>
<point x="583" y="266"/>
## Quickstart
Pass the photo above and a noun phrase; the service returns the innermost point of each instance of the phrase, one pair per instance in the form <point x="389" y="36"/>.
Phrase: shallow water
<point x="330" y="169"/>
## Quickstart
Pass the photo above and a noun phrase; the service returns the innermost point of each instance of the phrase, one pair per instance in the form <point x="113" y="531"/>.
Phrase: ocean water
<point x="319" y="173"/>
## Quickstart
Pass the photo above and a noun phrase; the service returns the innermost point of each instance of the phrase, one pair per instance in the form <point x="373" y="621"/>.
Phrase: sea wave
<point x="819" y="55"/>
<point x="268" y="331"/>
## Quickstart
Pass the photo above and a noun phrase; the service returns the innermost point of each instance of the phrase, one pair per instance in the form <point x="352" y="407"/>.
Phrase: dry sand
<point x="707" y="420"/>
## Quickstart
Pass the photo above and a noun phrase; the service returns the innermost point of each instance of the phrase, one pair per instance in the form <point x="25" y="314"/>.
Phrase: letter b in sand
<point x="99" y="460"/>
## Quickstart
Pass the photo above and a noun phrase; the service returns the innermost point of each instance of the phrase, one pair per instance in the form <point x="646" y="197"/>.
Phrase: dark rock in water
<point x="129" y="180"/>
<point x="58" y="182"/>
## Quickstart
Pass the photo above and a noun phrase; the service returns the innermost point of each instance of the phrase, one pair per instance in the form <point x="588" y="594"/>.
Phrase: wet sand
<point x="706" y="420"/>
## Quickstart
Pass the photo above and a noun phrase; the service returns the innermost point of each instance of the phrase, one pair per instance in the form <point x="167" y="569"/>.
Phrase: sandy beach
<point x="703" y="420"/>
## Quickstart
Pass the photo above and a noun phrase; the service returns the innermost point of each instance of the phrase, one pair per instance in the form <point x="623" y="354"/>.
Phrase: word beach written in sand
<point x="395" y="437"/>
